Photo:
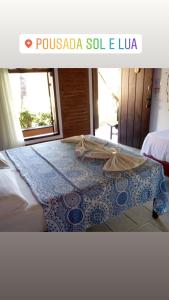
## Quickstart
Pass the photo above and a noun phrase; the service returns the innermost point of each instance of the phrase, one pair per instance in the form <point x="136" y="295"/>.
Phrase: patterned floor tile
<point x="148" y="227"/>
<point x="162" y="222"/>
<point x="99" y="228"/>
<point x="140" y="215"/>
<point x="121" y="224"/>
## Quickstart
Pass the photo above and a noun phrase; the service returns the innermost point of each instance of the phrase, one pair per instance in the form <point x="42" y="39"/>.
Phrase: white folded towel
<point x="116" y="161"/>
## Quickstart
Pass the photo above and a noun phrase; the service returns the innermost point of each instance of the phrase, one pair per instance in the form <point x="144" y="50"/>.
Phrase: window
<point x="34" y="95"/>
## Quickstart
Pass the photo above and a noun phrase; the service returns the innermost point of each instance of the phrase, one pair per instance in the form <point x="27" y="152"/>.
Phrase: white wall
<point x="159" y="117"/>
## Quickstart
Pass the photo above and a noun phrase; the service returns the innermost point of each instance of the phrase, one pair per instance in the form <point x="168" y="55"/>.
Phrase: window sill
<point x="38" y="131"/>
<point x="42" y="139"/>
<point x="39" y="135"/>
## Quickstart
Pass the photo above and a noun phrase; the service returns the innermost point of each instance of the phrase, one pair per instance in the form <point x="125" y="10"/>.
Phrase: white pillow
<point x="9" y="186"/>
<point x="12" y="200"/>
<point x="3" y="162"/>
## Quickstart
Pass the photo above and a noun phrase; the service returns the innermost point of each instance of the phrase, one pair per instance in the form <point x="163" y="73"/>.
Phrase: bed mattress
<point x="76" y="193"/>
<point x="156" y="145"/>
<point x="18" y="215"/>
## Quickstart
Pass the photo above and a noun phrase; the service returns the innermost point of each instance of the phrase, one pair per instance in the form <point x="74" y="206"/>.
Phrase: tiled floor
<point x="135" y="219"/>
<point x="103" y="132"/>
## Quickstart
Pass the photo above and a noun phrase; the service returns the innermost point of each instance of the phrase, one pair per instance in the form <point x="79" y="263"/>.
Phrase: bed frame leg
<point x="154" y="214"/>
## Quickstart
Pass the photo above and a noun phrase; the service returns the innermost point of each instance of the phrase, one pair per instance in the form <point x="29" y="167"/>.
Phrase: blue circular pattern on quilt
<point x="75" y="216"/>
<point x="145" y="194"/>
<point x="55" y="225"/>
<point x="162" y="197"/>
<point x="122" y="183"/>
<point x="97" y="215"/>
<point x="73" y="199"/>
<point x="160" y="206"/>
<point x="163" y="186"/>
<point x="122" y="198"/>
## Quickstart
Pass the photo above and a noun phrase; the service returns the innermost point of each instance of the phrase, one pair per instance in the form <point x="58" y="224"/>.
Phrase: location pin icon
<point x="28" y="43"/>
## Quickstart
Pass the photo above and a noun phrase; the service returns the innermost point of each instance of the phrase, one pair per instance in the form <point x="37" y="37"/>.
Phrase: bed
<point x="156" y="146"/>
<point x="64" y="193"/>
<point x="19" y="209"/>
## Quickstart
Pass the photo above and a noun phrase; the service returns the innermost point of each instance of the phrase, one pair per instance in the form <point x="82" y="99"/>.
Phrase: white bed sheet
<point x="157" y="144"/>
<point x="18" y="215"/>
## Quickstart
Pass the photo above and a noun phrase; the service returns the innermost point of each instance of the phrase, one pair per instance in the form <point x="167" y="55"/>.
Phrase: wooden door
<point x="74" y="98"/>
<point x="135" y="104"/>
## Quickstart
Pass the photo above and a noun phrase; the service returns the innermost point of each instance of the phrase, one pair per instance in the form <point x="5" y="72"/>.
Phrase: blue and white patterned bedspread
<point x="76" y="193"/>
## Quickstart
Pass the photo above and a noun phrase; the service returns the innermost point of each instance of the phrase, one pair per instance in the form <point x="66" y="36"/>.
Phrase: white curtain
<point x="10" y="130"/>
